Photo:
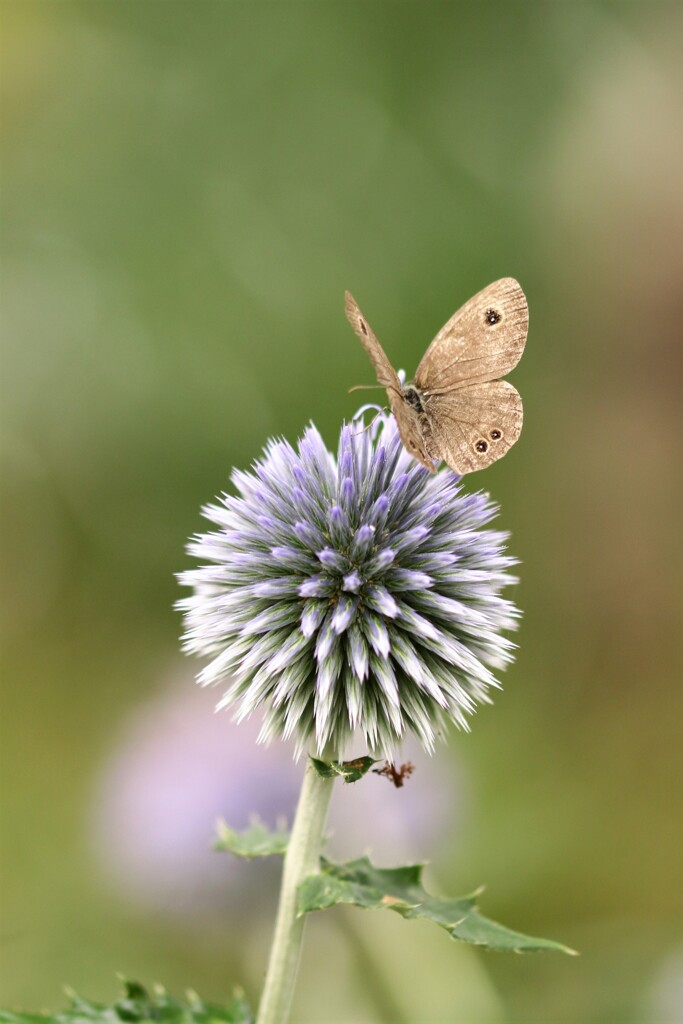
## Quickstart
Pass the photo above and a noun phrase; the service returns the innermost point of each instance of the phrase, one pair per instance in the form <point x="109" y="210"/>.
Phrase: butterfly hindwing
<point x="473" y="426"/>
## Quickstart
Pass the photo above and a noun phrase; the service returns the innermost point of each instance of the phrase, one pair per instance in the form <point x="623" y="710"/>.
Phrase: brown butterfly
<point x="457" y="409"/>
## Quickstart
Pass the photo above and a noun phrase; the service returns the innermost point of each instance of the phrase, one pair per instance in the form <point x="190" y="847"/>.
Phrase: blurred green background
<point x="188" y="190"/>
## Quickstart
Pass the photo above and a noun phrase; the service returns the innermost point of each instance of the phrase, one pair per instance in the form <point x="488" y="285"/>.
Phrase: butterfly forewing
<point x="484" y="340"/>
<point x="407" y="419"/>
<point x="475" y="425"/>
<point x="386" y="374"/>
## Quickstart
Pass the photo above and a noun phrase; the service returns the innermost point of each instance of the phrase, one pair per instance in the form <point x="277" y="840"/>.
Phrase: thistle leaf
<point x="137" y="1005"/>
<point x="400" y="889"/>
<point x="350" y="771"/>
<point x="256" y="841"/>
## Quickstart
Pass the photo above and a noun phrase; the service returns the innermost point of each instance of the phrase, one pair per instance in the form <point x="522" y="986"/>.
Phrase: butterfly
<point x="457" y="409"/>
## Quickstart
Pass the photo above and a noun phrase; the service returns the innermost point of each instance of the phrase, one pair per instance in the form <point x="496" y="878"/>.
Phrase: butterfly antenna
<point x="364" y="387"/>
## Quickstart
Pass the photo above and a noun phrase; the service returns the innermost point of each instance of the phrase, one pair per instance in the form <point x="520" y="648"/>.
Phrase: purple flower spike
<point x="350" y="593"/>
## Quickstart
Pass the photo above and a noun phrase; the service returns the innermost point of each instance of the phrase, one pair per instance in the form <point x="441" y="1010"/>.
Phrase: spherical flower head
<point x="350" y="594"/>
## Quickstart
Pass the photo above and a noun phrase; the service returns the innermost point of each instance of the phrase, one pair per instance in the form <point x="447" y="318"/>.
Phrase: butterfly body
<point x="413" y="397"/>
<point x="457" y="409"/>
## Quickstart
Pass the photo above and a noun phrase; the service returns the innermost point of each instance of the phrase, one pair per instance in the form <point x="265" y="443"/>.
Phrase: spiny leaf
<point x="137" y="1006"/>
<point x="350" y="771"/>
<point x="400" y="889"/>
<point x="256" y="841"/>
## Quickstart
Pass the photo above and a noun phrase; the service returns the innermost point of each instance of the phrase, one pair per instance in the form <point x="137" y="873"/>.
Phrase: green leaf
<point x="137" y="1006"/>
<point x="256" y="841"/>
<point x="350" y="771"/>
<point x="400" y="889"/>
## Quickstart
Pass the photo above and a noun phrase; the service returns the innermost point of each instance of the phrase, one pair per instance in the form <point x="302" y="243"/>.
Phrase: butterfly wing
<point x="411" y="432"/>
<point x="386" y="374"/>
<point x="484" y="340"/>
<point x="473" y="426"/>
<point x="407" y="419"/>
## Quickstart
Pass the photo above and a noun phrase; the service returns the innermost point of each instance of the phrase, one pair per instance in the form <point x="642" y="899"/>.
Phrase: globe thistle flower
<point x="356" y="593"/>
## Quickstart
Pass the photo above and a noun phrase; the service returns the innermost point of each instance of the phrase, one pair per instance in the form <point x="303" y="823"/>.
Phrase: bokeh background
<point x="188" y="190"/>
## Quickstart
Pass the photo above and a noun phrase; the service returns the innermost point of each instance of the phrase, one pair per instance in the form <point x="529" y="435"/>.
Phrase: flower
<point x="172" y="769"/>
<point x="352" y="594"/>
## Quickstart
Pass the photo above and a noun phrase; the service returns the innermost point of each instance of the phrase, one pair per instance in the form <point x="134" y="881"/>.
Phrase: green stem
<point x="302" y="859"/>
